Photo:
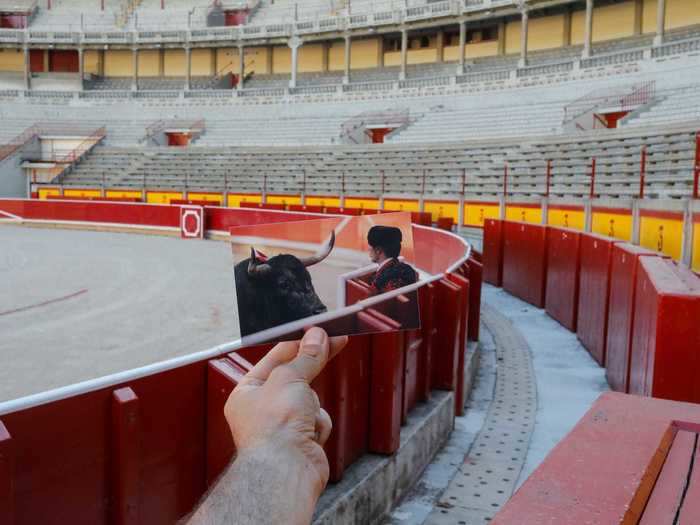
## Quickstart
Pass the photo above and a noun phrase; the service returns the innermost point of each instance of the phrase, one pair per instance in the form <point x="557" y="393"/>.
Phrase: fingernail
<point x="314" y="340"/>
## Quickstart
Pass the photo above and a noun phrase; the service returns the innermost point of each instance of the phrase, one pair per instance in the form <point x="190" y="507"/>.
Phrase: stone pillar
<point x="346" y="63"/>
<point x="188" y="68"/>
<point x="101" y="62"/>
<point x="501" y="38"/>
<point x="241" y="67"/>
<point x="440" y="45"/>
<point x="135" y="69"/>
<point x="270" y="59"/>
<point x="325" y="52"/>
<point x="294" y="44"/>
<point x="380" y="51"/>
<point x="161" y="62"/>
<point x="213" y="65"/>
<point x="81" y="65"/>
<point x="462" y="46"/>
<point x="27" y="70"/>
<point x="47" y="62"/>
<point x="523" y="38"/>
<point x="660" y="22"/>
<point x="404" y="54"/>
<point x="588" y="29"/>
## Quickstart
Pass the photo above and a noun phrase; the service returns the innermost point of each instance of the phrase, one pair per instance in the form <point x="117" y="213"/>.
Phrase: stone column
<point x="188" y="68"/>
<point x="161" y="62"/>
<point x="380" y="51"/>
<point x="294" y="44"/>
<point x="81" y="65"/>
<point x="462" y="46"/>
<point x="501" y="38"/>
<point x="325" y="52"/>
<point x="523" y="39"/>
<point x="346" y="74"/>
<point x="404" y="54"/>
<point x="566" y="31"/>
<point x="135" y="69"/>
<point x="588" y="29"/>
<point x="27" y="70"/>
<point x="241" y="67"/>
<point x="101" y="62"/>
<point x="660" y="22"/>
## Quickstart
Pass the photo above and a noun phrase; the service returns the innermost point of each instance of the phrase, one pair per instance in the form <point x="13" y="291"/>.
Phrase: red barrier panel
<point x="525" y="261"/>
<point x="493" y="252"/>
<point x="422" y="218"/>
<point x="563" y="264"/>
<point x="460" y="394"/>
<point x="623" y="275"/>
<point x="126" y="469"/>
<point x="665" y="349"/>
<point x="609" y="467"/>
<point x="445" y="223"/>
<point x="476" y="272"/>
<point x="7" y="477"/>
<point x="594" y="291"/>
<point x="446" y="349"/>
<point x="426" y="301"/>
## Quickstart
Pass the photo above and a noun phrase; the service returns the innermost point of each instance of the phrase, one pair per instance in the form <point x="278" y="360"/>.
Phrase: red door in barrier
<point x="63" y="61"/>
<point x="563" y="263"/>
<point x="623" y="274"/>
<point x="493" y="252"/>
<point x="445" y="356"/>
<point x="594" y="291"/>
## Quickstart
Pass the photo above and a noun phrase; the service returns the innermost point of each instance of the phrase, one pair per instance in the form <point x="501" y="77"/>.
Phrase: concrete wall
<point x="13" y="181"/>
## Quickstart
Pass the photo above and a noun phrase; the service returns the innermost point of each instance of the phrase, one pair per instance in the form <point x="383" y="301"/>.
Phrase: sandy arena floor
<point x="75" y="305"/>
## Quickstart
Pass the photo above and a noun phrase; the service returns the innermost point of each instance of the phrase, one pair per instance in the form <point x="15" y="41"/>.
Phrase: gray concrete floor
<point x="567" y="382"/>
<point x="76" y="305"/>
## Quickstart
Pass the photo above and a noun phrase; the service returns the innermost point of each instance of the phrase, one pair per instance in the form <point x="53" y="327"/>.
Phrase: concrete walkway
<point x="530" y="365"/>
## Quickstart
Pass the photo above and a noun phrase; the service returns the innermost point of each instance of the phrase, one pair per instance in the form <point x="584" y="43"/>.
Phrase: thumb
<point x="312" y="355"/>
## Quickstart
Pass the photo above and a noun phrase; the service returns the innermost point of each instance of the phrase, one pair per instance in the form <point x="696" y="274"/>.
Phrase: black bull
<point x="276" y="291"/>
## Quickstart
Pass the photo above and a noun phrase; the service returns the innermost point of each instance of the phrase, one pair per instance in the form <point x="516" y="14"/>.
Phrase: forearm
<point x="259" y="488"/>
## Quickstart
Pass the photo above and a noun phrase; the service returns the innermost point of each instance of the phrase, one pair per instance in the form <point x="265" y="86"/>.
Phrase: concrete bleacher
<point x="673" y="106"/>
<point x="430" y="171"/>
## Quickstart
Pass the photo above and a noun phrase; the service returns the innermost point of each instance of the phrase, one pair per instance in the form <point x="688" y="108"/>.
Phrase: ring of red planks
<point x="630" y="460"/>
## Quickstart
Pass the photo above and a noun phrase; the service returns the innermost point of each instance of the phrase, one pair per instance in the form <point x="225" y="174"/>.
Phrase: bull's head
<point x="286" y="278"/>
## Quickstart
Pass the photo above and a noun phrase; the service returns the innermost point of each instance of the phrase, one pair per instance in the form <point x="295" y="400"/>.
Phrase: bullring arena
<point x="548" y="152"/>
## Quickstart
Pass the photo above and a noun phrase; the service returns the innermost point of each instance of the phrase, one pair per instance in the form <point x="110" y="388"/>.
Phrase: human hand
<point x="274" y="413"/>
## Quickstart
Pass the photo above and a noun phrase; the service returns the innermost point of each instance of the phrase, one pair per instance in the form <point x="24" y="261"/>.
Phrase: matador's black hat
<point x="384" y="236"/>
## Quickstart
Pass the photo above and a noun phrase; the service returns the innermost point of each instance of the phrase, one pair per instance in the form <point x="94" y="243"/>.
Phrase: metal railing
<point x="20" y="140"/>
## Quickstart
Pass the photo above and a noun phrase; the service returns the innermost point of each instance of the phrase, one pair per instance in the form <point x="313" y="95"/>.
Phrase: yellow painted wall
<point x="162" y="197"/>
<point x="209" y="197"/>
<point x="202" y="62"/>
<point x="613" y="21"/>
<point x="662" y="235"/>
<point x="234" y="200"/>
<point x="578" y="20"/>
<point x="149" y="63"/>
<point x="614" y="225"/>
<point x="11" y="60"/>
<point x="681" y="13"/>
<point x="413" y="56"/>
<point x="118" y="63"/>
<point x="91" y="61"/>
<point x="336" y="56"/>
<point x="575" y="219"/>
<point x="123" y="194"/>
<point x="324" y="201"/>
<point x="524" y="214"/>
<point x="649" y="16"/>
<point x="284" y="199"/>
<point x="545" y="32"/>
<point x="310" y="58"/>
<point x="281" y="59"/>
<point x="402" y="205"/>
<point x="442" y="209"/>
<point x="82" y="193"/>
<point x="45" y="192"/>
<point x="475" y="214"/>
<point x="174" y="63"/>
<point x="364" y="53"/>
<point x="696" y="247"/>
<point x="513" y="37"/>
<point x="358" y="202"/>
<point x="227" y="60"/>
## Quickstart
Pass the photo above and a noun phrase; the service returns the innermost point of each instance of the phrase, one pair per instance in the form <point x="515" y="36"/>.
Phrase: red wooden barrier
<point x="426" y="300"/>
<point x="594" y="291"/>
<point x="460" y="394"/>
<point x="665" y="360"/>
<point x="445" y="223"/>
<point x="608" y="469"/>
<point x="446" y="347"/>
<point x="525" y="261"/>
<point x="623" y="274"/>
<point x="7" y="477"/>
<point x="126" y="459"/>
<point x="493" y="252"/>
<point x="563" y="264"/>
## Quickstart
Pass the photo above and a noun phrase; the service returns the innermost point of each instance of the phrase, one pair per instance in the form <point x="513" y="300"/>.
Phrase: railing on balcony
<point x="625" y="97"/>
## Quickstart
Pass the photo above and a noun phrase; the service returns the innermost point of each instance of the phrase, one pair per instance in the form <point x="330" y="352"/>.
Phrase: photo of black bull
<point x="277" y="290"/>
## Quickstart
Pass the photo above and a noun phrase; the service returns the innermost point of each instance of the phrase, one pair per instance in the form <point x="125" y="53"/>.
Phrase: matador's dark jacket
<point x="392" y="275"/>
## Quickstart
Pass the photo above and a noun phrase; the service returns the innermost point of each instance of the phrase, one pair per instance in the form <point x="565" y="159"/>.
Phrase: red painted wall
<point x="63" y="61"/>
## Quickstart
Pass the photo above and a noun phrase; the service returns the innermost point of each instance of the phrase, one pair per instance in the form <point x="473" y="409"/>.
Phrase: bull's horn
<point x="256" y="269"/>
<point x="314" y="259"/>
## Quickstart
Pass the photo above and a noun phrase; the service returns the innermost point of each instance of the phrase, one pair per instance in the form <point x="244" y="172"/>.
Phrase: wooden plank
<point x="668" y="490"/>
<point x="690" y="512"/>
